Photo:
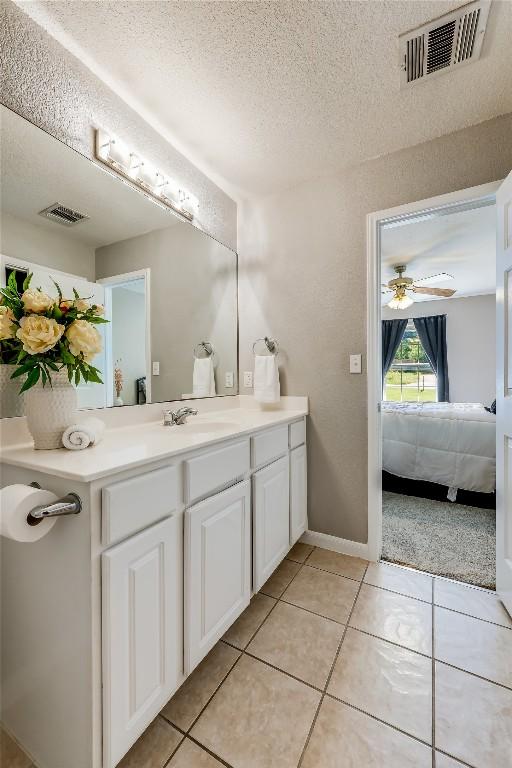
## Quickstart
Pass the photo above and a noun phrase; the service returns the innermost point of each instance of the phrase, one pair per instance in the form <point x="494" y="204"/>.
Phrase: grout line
<point x="433" y="682"/>
<point x="284" y="672"/>
<point x="470" y="616"/>
<point x="396" y="592"/>
<point x="180" y="742"/>
<point x="209" y="752"/>
<point x="454" y="757"/>
<point x="379" y="720"/>
<point x="391" y="642"/>
<point x="474" y="674"/>
<point x="308" y="610"/>
<point x="315" y="718"/>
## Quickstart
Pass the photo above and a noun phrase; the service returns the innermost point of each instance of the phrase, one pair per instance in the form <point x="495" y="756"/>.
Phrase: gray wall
<point x="129" y="338"/>
<point x="303" y="280"/>
<point x="48" y="86"/>
<point x="471" y="342"/>
<point x="193" y="299"/>
<point x="22" y="240"/>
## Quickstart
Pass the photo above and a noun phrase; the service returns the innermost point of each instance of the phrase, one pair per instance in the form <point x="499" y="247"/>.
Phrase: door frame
<point x="111" y="282"/>
<point x="421" y="210"/>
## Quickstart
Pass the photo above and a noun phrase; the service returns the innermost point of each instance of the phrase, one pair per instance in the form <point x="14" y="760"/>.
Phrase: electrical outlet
<point x="355" y="363"/>
<point x="248" y="379"/>
<point x="229" y="379"/>
<point x="156" y="369"/>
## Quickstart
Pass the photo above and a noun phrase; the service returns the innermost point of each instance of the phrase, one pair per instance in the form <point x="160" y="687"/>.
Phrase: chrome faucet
<point x="179" y="417"/>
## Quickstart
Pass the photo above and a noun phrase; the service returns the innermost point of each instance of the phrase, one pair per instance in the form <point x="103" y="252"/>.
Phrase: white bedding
<point x="453" y="444"/>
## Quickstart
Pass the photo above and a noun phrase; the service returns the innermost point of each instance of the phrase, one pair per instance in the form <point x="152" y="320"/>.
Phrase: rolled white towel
<point x="84" y="433"/>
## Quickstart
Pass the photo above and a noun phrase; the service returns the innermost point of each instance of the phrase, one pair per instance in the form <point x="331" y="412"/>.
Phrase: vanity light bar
<point x="114" y="153"/>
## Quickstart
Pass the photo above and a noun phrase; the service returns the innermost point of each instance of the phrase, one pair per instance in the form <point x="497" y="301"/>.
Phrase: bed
<point x="453" y="444"/>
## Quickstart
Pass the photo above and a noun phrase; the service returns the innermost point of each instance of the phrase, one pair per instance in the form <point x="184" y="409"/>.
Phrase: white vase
<point x="11" y="402"/>
<point x="49" y="410"/>
<point x="118" y="400"/>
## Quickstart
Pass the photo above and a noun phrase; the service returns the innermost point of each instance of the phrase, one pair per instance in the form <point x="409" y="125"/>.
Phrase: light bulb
<point x="400" y="302"/>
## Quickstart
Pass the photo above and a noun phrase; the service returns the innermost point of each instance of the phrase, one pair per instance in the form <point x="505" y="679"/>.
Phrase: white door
<point x="298" y="493"/>
<point x="504" y="394"/>
<point x="271" y="519"/>
<point x="217" y="568"/>
<point x="142" y="630"/>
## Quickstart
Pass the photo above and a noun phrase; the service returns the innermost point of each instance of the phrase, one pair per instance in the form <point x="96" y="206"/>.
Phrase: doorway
<point x="431" y="473"/>
<point x="127" y="338"/>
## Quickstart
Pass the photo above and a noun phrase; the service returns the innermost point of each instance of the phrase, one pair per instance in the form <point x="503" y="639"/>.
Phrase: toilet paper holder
<point x="71" y="504"/>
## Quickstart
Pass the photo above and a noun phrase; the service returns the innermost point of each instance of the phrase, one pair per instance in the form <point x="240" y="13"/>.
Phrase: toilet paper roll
<point x="16" y="501"/>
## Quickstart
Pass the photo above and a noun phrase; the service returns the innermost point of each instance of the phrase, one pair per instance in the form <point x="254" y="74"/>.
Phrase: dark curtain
<point x="392" y="333"/>
<point x="432" y="334"/>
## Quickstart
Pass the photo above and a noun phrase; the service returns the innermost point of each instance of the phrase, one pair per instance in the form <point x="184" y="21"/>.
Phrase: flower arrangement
<point x="40" y="334"/>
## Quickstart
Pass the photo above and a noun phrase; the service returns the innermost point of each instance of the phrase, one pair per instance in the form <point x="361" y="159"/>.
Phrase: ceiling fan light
<point x="400" y="302"/>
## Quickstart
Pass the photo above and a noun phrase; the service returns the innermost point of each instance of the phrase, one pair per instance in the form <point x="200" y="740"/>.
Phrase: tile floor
<point x="338" y="663"/>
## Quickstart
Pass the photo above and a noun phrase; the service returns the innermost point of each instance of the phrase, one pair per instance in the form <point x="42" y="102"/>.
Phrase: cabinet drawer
<point x="269" y="445"/>
<point x="297" y="433"/>
<point x="212" y="471"/>
<point x="135" y="503"/>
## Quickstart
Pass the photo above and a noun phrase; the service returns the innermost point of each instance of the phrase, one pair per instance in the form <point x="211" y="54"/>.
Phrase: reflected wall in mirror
<point x="167" y="287"/>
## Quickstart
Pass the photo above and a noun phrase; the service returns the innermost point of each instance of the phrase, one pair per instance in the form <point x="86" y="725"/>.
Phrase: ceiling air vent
<point x="447" y="42"/>
<point x="63" y="215"/>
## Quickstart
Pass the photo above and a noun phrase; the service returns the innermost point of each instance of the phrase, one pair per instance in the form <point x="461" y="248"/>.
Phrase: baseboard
<point x="335" y="544"/>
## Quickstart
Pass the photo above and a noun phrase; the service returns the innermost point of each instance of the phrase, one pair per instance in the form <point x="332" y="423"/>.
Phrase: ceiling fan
<point x="400" y="286"/>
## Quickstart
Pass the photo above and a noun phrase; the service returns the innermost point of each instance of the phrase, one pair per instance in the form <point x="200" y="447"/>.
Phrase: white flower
<point x="39" y="334"/>
<point x="7" y="327"/>
<point x="79" y="304"/>
<point x="84" y="339"/>
<point x="35" y="300"/>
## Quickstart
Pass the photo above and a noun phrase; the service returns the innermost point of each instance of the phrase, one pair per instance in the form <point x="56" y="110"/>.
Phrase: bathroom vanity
<point x="105" y="616"/>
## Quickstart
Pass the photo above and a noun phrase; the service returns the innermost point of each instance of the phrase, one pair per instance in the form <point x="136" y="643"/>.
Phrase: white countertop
<point x="136" y="444"/>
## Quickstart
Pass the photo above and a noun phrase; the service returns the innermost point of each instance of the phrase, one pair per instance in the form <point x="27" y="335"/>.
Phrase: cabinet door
<point x="298" y="493"/>
<point x="142" y="632"/>
<point x="217" y="568"/>
<point x="271" y="519"/>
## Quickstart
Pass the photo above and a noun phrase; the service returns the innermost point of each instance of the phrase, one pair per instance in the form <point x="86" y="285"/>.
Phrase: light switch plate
<point x="156" y="369"/>
<point x="229" y="379"/>
<point x="248" y="379"/>
<point x="355" y="363"/>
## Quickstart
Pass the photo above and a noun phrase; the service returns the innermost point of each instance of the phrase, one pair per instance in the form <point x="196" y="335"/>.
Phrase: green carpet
<point x="440" y="537"/>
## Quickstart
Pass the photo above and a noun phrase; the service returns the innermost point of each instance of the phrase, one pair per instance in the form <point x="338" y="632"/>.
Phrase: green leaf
<point x="70" y="373"/>
<point x="26" y="282"/>
<point x="52" y="365"/>
<point x="77" y="377"/>
<point x="59" y="292"/>
<point x="75" y="293"/>
<point x="11" y="283"/>
<point x="24" y="369"/>
<point x="97" y="319"/>
<point x="31" y="380"/>
<point x="94" y="375"/>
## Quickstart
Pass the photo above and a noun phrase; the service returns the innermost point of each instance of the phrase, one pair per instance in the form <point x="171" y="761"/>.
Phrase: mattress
<point x="453" y="444"/>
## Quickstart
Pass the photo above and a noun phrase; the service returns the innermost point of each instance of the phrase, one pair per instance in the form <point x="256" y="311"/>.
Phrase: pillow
<point x="492" y="408"/>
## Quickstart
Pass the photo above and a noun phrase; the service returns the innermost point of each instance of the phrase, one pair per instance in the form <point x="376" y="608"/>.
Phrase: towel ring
<point x="206" y="347"/>
<point x="271" y="344"/>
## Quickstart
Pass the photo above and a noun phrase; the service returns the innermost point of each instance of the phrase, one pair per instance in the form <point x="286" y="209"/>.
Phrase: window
<point x="410" y="378"/>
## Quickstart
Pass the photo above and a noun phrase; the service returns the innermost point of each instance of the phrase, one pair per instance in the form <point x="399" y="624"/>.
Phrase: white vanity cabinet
<point x="141" y="627"/>
<point x="217" y="568"/>
<point x="298" y="493"/>
<point x="271" y="519"/>
<point x="135" y="590"/>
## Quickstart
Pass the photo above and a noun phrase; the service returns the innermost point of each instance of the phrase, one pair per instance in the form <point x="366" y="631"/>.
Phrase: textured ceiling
<point x="264" y="95"/>
<point x="462" y="244"/>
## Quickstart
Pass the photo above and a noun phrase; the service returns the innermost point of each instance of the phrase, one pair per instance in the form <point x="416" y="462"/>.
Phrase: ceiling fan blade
<point x="440" y="277"/>
<point x="447" y="292"/>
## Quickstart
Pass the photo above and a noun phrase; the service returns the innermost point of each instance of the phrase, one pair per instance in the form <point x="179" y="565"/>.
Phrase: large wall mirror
<point x="169" y="290"/>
